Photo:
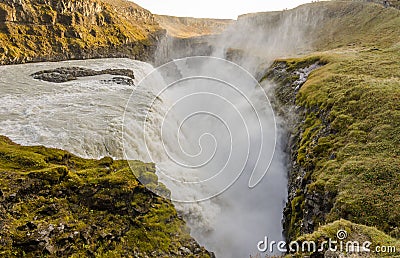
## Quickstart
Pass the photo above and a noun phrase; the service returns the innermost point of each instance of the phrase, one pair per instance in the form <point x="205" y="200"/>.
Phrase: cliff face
<point x="38" y="30"/>
<point x="304" y="210"/>
<point x="171" y="47"/>
<point x="188" y="36"/>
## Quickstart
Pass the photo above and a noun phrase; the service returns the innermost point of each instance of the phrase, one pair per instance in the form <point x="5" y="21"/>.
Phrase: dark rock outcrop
<point x="120" y="81"/>
<point x="303" y="207"/>
<point x="64" y="74"/>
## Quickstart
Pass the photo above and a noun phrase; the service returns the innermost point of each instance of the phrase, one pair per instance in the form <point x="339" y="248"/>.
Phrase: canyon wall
<point x="49" y="30"/>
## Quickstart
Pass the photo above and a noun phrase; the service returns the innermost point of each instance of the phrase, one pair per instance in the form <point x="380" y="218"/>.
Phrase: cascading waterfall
<point x="240" y="217"/>
<point x="213" y="141"/>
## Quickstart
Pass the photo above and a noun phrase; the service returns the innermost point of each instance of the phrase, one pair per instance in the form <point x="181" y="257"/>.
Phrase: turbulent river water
<point x="87" y="116"/>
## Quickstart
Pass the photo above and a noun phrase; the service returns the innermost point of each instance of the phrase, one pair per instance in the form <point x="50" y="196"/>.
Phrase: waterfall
<point x="199" y="94"/>
<point x="212" y="133"/>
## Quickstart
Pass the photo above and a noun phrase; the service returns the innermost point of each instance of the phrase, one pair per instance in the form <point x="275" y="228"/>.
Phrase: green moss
<point x="56" y="204"/>
<point x="297" y="208"/>
<point x="350" y="137"/>
<point x="355" y="232"/>
<point x="52" y="175"/>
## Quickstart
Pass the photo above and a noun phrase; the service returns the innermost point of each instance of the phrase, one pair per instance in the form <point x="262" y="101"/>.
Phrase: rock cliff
<point x="50" y="30"/>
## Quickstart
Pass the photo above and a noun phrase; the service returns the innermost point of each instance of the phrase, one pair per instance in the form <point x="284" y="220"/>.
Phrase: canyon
<point x="323" y="66"/>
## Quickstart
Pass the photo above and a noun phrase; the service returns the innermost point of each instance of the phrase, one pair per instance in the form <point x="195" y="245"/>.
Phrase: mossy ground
<point x="350" y="141"/>
<point x="355" y="233"/>
<point x="56" y="204"/>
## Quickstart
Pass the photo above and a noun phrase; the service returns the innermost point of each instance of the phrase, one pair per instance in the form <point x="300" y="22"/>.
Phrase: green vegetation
<point x="55" y="204"/>
<point x="349" y="141"/>
<point x="357" y="95"/>
<point x="387" y="3"/>
<point x="355" y="233"/>
<point x="355" y="24"/>
<point x="348" y="134"/>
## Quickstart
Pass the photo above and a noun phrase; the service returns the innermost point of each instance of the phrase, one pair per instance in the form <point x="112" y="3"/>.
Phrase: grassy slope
<point x="38" y="31"/>
<point x="357" y="24"/>
<point x="54" y="203"/>
<point x="355" y="97"/>
<point x="391" y="3"/>
<point x="184" y="27"/>
<point x="360" y="91"/>
<point x="355" y="232"/>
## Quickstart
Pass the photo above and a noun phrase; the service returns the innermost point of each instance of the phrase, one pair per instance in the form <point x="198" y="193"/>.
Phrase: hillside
<point x="184" y="27"/>
<point x="345" y="139"/>
<point x="33" y="30"/>
<point x="386" y="3"/>
<point x="329" y="25"/>
<point x="54" y="204"/>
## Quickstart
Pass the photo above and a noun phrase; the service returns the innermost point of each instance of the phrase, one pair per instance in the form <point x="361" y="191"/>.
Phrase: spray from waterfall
<point x="232" y="222"/>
